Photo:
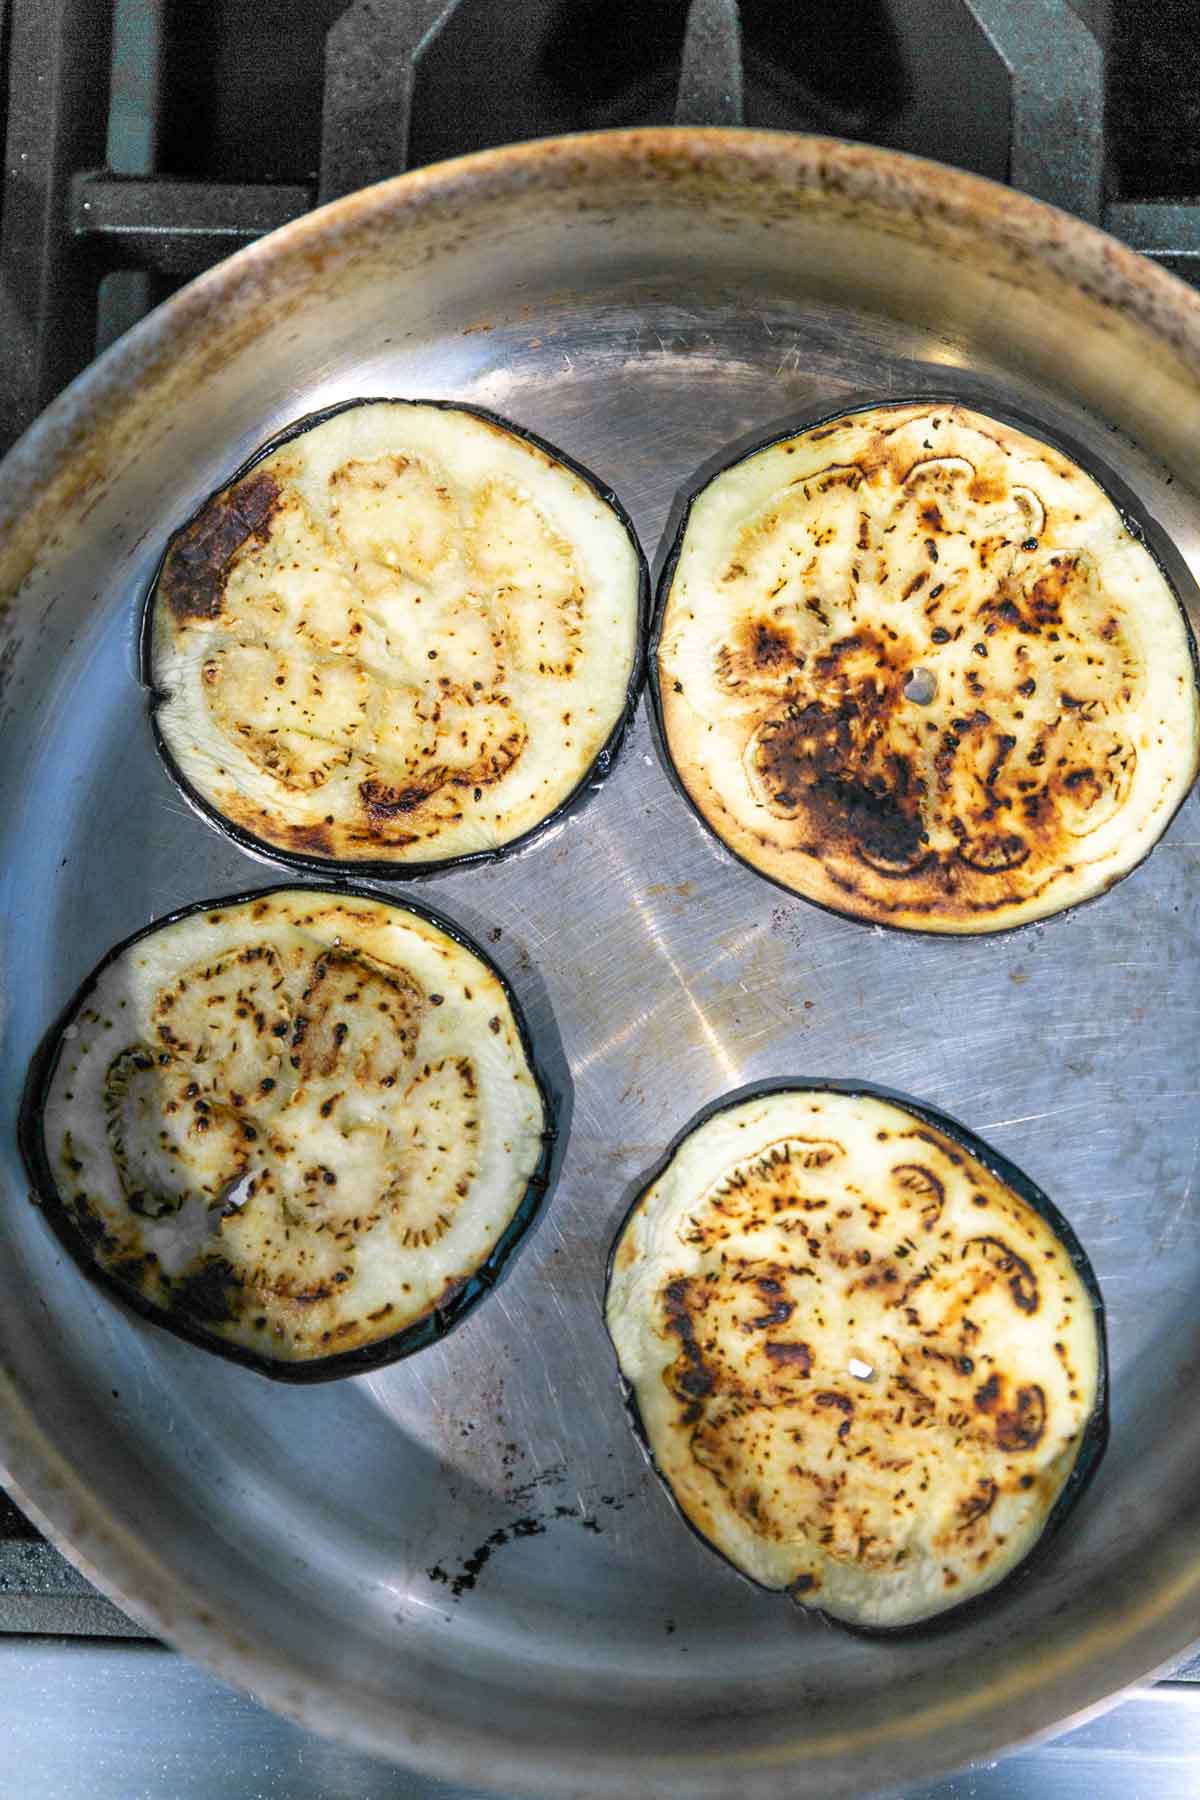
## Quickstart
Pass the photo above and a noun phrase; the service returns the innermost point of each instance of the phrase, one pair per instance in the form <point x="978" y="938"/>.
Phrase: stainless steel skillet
<point x="461" y="1561"/>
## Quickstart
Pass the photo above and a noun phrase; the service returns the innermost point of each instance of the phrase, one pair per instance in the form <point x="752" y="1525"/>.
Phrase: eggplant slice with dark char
<point x="866" y="1354"/>
<point x="914" y="665"/>
<point x="301" y="1128"/>
<point x="405" y="634"/>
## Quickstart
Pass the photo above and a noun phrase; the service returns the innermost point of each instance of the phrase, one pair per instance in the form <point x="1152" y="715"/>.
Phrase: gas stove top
<point x="117" y="191"/>
<point x="148" y="139"/>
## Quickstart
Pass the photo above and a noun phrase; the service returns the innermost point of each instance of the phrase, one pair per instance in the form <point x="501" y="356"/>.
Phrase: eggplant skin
<point x="864" y="1352"/>
<point x="406" y="634"/>
<point x="914" y="665"/>
<point x="302" y="1129"/>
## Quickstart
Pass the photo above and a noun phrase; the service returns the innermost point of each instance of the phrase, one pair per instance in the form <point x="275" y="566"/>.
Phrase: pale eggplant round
<point x="189" y="1306"/>
<point x="947" y="734"/>
<point x="717" y="1405"/>
<point x="387" y="814"/>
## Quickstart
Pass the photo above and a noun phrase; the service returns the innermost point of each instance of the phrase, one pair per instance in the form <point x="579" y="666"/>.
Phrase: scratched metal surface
<point x="462" y="1560"/>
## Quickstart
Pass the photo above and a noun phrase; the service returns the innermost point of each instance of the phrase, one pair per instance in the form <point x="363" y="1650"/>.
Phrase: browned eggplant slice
<point x="914" y="665"/>
<point x="405" y="634"/>
<point x="865" y="1352"/>
<point x="302" y="1128"/>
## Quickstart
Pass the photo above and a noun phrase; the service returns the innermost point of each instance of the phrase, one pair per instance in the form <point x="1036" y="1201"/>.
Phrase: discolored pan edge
<point x="429" y="1329"/>
<point x="377" y="869"/>
<point x="1126" y="505"/>
<point x="1094" y="1436"/>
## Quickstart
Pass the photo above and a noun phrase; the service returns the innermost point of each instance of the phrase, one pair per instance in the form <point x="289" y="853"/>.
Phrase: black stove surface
<point x="143" y="136"/>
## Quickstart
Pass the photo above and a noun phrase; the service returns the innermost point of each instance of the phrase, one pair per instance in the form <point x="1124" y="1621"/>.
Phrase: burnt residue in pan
<point x="466" y="1570"/>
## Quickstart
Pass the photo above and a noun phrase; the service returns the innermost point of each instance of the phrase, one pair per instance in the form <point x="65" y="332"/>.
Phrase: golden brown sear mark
<point x="1017" y="1427"/>
<point x="383" y="802"/>
<point x="819" y="765"/>
<point x="759" y="650"/>
<point x="690" y="1377"/>
<point x="925" y="1187"/>
<point x="977" y="1504"/>
<point x="193" y="580"/>
<point x="795" y="1356"/>
<point x="1022" y="1282"/>
<point x="314" y="838"/>
<point x="778" y="1308"/>
<point x="850" y="770"/>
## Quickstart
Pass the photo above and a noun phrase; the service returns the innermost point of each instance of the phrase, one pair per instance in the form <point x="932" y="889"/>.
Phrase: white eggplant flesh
<point x="298" y="1126"/>
<point x="868" y="1365"/>
<point x="404" y="636"/>
<point x="914" y="665"/>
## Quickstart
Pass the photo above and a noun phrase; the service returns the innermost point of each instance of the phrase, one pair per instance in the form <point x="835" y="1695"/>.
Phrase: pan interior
<point x="479" y="1520"/>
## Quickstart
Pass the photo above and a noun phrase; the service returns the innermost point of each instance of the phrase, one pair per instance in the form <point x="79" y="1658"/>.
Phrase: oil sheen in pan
<point x="913" y="664"/>
<point x="865" y="1352"/>
<point x="405" y="635"/>
<point x="303" y="1129"/>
